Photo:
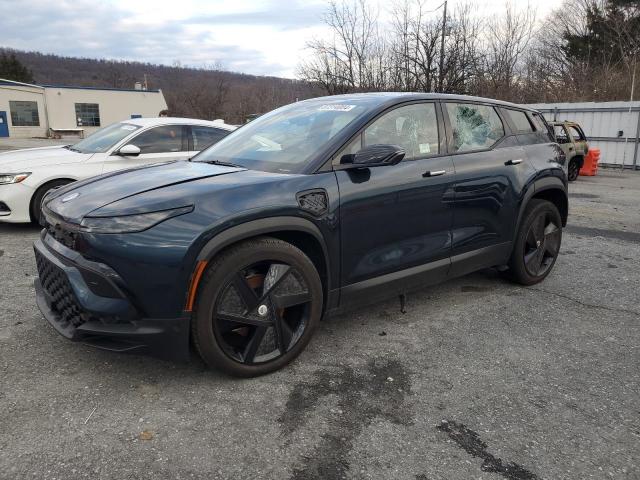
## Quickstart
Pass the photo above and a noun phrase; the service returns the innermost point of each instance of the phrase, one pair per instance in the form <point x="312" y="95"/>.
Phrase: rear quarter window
<point x="520" y="121"/>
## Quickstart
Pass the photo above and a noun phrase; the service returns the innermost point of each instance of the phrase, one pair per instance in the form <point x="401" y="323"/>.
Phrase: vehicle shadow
<point x="18" y="228"/>
<point x="377" y="317"/>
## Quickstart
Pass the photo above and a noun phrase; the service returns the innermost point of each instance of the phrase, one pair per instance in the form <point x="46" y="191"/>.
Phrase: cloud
<point x="261" y="39"/>
<point x="294" y="16"/>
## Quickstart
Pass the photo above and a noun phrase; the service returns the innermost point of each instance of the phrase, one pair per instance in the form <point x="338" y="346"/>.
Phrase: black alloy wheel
<point x="542" y="244"/>
<point x="537" y="243"/>
<point x="257" y="307"/>
<point x="262" y="312"/>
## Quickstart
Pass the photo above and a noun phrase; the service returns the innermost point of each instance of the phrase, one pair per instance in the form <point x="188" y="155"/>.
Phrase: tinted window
<point x="24" y="114"/>
<point x="521" y="122"/>
<point x="203" y="137"/>
<point x="414" y="127"/>
<point x="163" y="139"/>
<point x="475" y="127"/>
<point x="87" y="115"/>
<point x="351" y="148"/>
<point x="539" y="123"/>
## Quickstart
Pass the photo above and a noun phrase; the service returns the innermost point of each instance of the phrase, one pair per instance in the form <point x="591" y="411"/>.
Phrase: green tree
<point x="612" y="33"/>
<point x="12" y="69"/>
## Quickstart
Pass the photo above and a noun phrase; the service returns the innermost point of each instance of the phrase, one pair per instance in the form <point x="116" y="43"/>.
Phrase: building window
<point x="24" y="114"/>
<point x="87" y="115"/>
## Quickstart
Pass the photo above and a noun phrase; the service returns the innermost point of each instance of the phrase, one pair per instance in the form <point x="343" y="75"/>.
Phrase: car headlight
<point x="130" y="223"/>
<point x="6" y="178"/>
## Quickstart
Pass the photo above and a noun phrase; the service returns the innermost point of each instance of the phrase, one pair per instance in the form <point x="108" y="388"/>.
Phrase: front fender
<point x="257" y="227"/>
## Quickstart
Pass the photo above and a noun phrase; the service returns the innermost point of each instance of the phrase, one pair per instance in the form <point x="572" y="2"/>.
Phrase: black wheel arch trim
<point x="265" y="226"/>
<point x="541" y="185"/>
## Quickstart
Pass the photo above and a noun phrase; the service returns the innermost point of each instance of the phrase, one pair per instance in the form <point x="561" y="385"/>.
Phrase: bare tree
<point x="507" y="39"/>
<point x="355" y="58"/>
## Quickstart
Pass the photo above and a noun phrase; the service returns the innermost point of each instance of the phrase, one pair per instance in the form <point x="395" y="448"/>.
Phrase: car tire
<point x="573" y="171"/>
<point x="258" y="305"/>
<point x="537" y="243"/>
<point x="35" y="209"/>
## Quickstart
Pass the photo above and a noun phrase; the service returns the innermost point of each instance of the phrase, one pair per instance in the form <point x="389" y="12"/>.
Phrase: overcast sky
<point x="263" y="37"/>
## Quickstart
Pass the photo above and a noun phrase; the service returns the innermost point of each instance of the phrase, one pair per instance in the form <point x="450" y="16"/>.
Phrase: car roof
<point x="157" y="121"/>
<point x="399" y="97"/>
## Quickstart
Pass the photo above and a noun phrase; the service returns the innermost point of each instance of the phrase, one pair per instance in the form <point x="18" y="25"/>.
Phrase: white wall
<point x="114" y="105"/>
<point x="23" y="93"/>
<point x="59" y="104"/>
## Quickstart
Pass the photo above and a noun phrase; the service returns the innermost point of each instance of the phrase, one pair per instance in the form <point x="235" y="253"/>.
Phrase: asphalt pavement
<point x="480" y="379"/>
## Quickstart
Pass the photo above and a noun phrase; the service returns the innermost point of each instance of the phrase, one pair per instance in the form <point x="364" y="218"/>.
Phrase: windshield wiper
<point x="71" y="147"/>
<point x="224" y="164"/>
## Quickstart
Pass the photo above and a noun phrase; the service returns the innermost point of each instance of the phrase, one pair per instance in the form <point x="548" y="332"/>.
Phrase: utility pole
<point x="444" y="32"/>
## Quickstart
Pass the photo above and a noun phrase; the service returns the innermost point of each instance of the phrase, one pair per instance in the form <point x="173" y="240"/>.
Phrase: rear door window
<point x="203" y="137"/>
<point x="165" y="139"/>
<point x="474" y="127"/>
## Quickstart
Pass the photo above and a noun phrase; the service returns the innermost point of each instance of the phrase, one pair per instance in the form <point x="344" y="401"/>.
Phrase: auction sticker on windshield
<point x="336" y="108"/>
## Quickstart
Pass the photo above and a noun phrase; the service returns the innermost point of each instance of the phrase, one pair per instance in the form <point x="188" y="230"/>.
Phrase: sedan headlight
<point x="6" y="178"/>
<point x="130" y="223"/>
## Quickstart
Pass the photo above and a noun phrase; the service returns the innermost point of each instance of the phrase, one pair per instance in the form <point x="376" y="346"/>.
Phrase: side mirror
<point x="374" y="156"/>
<point x="129" y="151"/>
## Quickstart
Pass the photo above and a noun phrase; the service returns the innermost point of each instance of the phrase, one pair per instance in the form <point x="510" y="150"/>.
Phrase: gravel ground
<point x="480" y="379"/>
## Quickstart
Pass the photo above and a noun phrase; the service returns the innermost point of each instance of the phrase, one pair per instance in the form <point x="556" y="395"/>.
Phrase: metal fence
<point x="614" y="127"/>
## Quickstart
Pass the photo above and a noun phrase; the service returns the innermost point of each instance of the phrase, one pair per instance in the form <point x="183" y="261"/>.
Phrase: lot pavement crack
<point x="584" y="304"/>
<point x="471" y="443"/>
<point x="378" y="392"/>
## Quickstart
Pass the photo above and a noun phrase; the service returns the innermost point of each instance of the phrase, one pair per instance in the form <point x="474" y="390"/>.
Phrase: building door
<point x="4" y="126"/>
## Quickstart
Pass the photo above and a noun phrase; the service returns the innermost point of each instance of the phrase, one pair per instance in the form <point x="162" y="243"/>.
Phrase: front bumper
<point x="15" y="199"/>
<point x="86" y="302"/>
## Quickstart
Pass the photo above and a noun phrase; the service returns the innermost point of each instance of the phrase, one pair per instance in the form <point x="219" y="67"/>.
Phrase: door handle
<point x="433" y="173"/>
<point x="515" y="161"/>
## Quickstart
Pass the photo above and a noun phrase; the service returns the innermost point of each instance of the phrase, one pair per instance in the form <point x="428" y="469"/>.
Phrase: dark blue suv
<point x="312" y="207"/>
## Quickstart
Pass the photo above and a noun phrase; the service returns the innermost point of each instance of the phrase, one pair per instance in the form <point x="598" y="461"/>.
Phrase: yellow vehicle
<point x="573" y="141"/>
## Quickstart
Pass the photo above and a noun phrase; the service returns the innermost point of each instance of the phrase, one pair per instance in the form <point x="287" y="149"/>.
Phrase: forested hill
<point x="207" y="93"/>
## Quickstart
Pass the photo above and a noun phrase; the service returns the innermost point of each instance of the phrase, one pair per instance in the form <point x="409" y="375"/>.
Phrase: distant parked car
<point x="26" y="176"/>
<point x="573" y="141"/>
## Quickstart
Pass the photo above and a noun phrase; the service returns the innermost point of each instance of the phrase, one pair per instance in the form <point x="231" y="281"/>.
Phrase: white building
<point x="46" y="110"/>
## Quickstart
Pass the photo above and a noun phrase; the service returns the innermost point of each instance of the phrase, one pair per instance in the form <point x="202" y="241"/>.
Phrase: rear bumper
<point x="85" y="302"/>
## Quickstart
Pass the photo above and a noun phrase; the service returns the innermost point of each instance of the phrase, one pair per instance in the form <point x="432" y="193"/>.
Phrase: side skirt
<point x="415" y="278"/>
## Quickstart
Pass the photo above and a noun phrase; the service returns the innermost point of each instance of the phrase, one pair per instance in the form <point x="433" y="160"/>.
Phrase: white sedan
<point x="26" y="176"/>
